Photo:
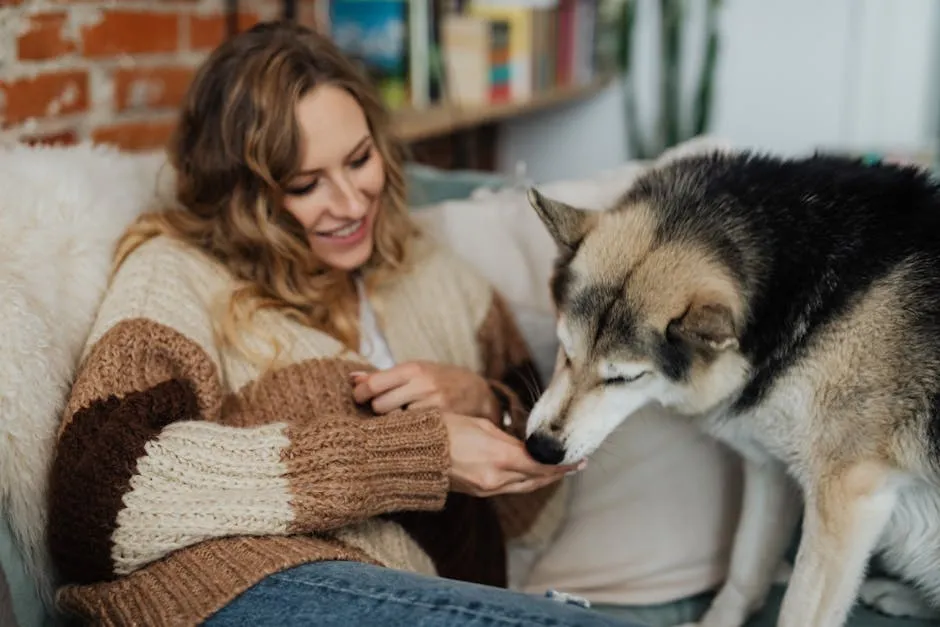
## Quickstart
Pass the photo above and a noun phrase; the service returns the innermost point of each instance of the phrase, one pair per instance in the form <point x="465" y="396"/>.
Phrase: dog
<point x="791" y="307"/>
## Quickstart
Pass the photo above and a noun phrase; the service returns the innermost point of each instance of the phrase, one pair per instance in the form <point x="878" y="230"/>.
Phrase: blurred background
<point x="565" y="87"/>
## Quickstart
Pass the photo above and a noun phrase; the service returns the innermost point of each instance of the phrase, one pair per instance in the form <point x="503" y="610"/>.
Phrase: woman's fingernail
<point x="358" y="374"/>
<point x="582" y="465"/>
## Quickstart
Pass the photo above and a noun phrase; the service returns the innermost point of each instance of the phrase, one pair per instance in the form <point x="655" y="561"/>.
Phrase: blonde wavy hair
<point x="236" y="147"/>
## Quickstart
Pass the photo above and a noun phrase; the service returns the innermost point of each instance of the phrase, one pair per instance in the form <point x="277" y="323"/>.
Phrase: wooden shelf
<point x="411" y="125"/>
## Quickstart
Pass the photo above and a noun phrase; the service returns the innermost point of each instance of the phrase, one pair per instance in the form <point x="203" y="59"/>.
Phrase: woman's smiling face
<point x="337" y="194"/>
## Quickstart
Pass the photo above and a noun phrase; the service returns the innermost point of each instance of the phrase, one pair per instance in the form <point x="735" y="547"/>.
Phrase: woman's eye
<point x="361" y="160"/>
<point x="302" y="191"/>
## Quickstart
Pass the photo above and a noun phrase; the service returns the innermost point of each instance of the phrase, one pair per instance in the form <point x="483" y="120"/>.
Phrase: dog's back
<point x="832" y="252"/>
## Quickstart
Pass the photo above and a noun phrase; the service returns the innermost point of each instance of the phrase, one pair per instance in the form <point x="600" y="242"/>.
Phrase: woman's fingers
<point x="523" y="485"/>
<point x="487" y="461"/>
<point x="427" y="402"/>
<point x="516" y="472"/>
<point x="373" y="384"/>
<point x="395" y="388"/>
<point x="396" y="398"/>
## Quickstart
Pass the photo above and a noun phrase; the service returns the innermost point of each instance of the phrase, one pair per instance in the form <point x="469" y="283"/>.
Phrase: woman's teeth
<point x="346" y="230"/>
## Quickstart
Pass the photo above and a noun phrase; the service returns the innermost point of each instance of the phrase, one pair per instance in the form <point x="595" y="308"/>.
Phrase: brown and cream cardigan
<point x="182" y="476"/>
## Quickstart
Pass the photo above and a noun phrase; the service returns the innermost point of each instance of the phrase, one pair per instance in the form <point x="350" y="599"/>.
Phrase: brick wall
<point x="112" y="72"/>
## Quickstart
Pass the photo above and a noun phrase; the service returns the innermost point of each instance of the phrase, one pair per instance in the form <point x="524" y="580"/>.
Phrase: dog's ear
<point x="706" y="325"/>
<point x="566" y="224"/>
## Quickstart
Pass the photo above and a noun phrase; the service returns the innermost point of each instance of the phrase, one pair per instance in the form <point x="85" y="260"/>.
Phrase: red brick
<point x="53" y="93"/>
<point x="135" y="135"/>
<point x="60" y="138"/>
<point x="44" y="38"/>
<point x="143" y="88"/>
<point x="208" y="31"/>
<point x="131" y="32"/>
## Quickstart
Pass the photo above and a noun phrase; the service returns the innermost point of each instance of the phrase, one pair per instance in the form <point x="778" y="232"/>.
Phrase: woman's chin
<point x="349" y="258"/>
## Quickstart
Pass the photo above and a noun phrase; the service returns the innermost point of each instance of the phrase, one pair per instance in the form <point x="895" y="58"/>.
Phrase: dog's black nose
<point x="545" y="449"/>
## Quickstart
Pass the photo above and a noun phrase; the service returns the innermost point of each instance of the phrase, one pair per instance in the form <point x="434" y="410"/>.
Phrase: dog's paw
<point x="895" y="598"/>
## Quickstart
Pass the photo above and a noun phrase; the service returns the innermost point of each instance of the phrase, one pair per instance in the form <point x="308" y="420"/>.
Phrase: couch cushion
<point x="429" y="185"/>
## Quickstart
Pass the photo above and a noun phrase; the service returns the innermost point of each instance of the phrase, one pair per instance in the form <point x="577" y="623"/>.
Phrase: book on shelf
<point x="374" y="34"/>
<point x="472" y="53"/>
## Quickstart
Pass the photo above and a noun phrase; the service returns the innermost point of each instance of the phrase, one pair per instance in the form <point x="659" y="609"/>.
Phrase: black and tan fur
<point x="792" y="308"/>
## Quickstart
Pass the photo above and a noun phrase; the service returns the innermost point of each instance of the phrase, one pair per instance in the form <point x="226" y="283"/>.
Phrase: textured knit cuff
<point x="340" y="472"/>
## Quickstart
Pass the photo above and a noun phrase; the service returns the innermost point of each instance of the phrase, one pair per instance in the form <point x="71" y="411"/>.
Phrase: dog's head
<point x="645" y="315"/>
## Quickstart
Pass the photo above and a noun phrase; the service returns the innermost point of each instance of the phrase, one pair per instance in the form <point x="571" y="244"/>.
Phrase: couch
<point x="61" y="209"/>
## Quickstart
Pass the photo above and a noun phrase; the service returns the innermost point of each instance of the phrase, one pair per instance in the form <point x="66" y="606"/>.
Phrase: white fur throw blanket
<point x="61" y="212"/>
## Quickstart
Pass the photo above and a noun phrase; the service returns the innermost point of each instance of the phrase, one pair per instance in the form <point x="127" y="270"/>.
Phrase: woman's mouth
<point x="349" y="234"/>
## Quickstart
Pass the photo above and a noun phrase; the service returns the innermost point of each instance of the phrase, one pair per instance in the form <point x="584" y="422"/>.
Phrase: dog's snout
<point x="545" y="449"/>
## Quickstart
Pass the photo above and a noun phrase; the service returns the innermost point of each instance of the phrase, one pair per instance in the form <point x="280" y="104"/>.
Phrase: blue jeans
<point x="346" y="594"/>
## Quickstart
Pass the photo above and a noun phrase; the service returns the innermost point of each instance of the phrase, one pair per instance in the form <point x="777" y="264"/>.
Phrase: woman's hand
<point x="486" y="461"/>
<point x="423" y="384"/>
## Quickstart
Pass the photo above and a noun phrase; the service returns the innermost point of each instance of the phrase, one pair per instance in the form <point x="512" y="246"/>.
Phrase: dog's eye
<point x="621" y="380"/>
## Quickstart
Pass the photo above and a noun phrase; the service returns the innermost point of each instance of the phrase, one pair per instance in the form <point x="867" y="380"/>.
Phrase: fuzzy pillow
<point x="61" y="211"/>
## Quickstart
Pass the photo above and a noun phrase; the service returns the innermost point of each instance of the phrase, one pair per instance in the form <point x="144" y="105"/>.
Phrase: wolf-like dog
<point x="790" y="306"/>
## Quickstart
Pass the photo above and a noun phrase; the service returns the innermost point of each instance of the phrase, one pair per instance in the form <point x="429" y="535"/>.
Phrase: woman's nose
<point x="350" y="202"/>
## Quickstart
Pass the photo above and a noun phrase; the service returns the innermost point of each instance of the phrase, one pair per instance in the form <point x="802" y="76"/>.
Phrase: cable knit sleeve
<point x="531" y="518"/>
<point x="155" y="453"/>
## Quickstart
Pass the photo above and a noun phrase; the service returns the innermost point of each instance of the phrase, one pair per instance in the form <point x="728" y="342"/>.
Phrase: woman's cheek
<point x="306" y="209"/>
<point x="375" y="175"/>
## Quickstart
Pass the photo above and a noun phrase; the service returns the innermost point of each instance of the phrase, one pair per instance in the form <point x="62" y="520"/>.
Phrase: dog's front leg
<point x="769" y="513"/>
<point x="845" y="513"/>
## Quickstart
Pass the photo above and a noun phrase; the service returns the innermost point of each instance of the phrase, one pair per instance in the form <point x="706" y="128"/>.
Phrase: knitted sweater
<point x="183" y="476"/>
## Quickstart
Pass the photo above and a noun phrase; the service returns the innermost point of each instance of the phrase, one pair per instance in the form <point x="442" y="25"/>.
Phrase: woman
<point x="292" y="407"/>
